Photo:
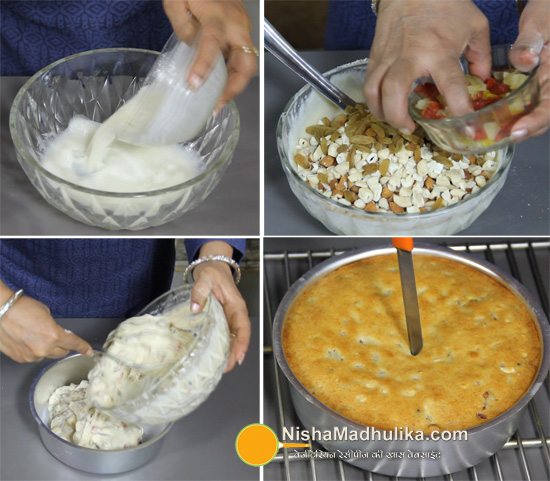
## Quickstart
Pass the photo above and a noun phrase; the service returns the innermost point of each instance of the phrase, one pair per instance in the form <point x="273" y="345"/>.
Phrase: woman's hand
<point x="424" y="38"/>
<point x="217" y="277"/>
<point x="532" y="48"/>
<point x="29" y="333"/>
<point x="225" y="27"/>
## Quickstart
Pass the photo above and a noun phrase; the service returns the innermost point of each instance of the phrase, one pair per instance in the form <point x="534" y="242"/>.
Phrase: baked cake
<point x="345" y="339"/>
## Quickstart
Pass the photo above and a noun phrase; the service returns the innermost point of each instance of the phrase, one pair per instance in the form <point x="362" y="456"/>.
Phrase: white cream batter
<point x="123" y="167"/>
<point x="182" y="357"/>
<point x="154" y="343"/>
<point x="75" y="419"/>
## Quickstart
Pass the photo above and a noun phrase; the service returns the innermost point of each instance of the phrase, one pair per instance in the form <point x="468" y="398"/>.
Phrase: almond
<point x="395" y="208"/>
<point x="386" y="193"/>
<point x="371" y="207"/>
<point x="437" y="204"/>
<point x="350" y="196"/>
<point x="327" y="161"/>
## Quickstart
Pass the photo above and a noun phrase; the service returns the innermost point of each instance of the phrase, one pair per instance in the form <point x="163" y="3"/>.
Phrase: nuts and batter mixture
<point x="360" y="161"/>
<point x="75" y="419"/>
<point x="154" y="343"/>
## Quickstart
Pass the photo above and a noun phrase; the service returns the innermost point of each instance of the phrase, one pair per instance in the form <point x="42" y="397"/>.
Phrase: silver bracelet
<point x="200" y="260"/>
<point x="374" y="6"/>
<point x="10" y="302"/>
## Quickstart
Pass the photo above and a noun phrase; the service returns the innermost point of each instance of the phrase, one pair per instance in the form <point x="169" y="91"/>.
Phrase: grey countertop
<point x="521" y="208"/>
<point x="201" y="446"/>
<point x="233" y="208"/>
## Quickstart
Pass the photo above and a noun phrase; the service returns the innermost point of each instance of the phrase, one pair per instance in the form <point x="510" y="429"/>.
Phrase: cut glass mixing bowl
<point x="306" y="108"/>
<point x="94" y="84"/>
<point x="180" y="390"/>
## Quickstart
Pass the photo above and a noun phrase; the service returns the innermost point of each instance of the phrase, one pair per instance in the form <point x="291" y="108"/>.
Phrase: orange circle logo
<point x="257" y="444"/>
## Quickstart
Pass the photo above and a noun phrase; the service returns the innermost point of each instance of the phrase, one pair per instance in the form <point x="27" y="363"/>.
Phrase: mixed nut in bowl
<point x="359" y="176"/>
<point x="94" y="85"/>
<point x="499" y="102"/>
<point x="74" y="369"/>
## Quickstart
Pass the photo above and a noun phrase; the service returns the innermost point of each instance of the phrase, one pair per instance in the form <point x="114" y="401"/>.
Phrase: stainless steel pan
<point x="62" y="372"/>
<point x="483" y="441"/>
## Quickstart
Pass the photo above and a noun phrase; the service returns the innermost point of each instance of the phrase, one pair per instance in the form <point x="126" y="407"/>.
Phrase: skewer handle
<point x="403" y="243"/>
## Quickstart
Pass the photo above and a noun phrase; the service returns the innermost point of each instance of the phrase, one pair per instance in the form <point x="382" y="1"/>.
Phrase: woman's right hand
<point x="29" y="333"/>
<point x="226" y="28"/>
<point x="424" y="38"/>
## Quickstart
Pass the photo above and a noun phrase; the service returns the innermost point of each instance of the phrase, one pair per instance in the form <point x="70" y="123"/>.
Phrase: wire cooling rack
<point x="526" y="456"/>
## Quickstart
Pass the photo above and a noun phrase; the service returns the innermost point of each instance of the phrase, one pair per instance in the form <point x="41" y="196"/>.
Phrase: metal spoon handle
<point x="276" y="44"/>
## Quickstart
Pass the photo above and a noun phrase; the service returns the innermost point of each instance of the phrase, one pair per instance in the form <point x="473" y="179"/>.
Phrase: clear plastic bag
<point x="166" y="110"/>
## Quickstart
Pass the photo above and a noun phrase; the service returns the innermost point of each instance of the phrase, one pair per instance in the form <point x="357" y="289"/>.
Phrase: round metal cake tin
<point x="455" y="455"/>
<point x="74" y="368"/>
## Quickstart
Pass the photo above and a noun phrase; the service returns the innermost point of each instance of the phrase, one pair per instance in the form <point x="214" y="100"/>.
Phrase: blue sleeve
<point x="193" y="246"/>
<point x="34" y="34"/>
<point x="503" y="19"/>
<point x="89" y="277"/>
<point x="351" y="24"/>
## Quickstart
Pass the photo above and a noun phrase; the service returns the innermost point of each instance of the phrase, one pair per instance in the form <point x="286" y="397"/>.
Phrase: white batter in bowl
<point x="181" y="358"/>
<point x="93" y="85"/>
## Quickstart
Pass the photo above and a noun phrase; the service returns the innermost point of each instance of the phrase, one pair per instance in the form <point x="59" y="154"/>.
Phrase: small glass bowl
<point x="94" y="84"/>
<point x="305" y="108"/>
<point x="492" y="124"/>
<point x="189" y="381"/>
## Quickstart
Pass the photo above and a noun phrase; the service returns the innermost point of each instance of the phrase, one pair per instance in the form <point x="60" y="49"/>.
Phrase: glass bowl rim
<point x="467" y="118"/>
<point x="228" y="150"/>
<point x="507" y="155"/>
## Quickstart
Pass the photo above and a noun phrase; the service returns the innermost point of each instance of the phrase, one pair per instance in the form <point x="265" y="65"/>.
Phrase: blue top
<point x="95" y="277"/>
<point x="37" y="33"/>
<point x="351" y="24"/>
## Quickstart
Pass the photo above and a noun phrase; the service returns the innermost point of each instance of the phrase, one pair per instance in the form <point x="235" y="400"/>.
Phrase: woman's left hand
<point x="226" y="27"/>
<point x="217" y="277"/>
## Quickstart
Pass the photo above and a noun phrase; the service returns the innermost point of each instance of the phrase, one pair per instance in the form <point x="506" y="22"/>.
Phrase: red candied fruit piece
<point x="480" y="102"/>
<point x="497" y="87"/>
<point x="428" y="90"/>
<point x="433" y="111"/>
<point x="480" y="134"/>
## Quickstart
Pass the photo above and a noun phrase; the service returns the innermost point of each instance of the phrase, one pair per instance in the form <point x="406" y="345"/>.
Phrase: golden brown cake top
<point x="345" y="339"/>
